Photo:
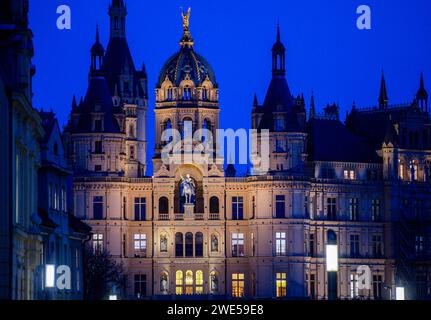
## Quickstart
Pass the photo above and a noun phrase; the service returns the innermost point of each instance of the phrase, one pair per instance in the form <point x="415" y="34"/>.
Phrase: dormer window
<point x="170" y="94"/>
<point x="279" y="124"/>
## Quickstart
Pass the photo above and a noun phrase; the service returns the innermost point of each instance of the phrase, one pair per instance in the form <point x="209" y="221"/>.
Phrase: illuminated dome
<point x="186" y="64"/>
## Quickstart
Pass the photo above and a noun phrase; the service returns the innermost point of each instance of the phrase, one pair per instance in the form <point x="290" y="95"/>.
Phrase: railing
<point x="164" y="216"/>
<point x="199" y="216"/>
<point x="214" y="216"/>
<point x="179" y="216"/>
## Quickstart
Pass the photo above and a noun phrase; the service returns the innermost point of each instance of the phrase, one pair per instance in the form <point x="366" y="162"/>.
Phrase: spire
<point x="312" y="106"/>
<point x="74" y="105"/>
<point x="186" y="39"/>
<point x="383" y="97"/>
<point x="278" y="56"/>
<point x="97" y="54"/>
<point x="117" y="13"/>
<point x="422" y="95"/>
<point x="255" y="102"/>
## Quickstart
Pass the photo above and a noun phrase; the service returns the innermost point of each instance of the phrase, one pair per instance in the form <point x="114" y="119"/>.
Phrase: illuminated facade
<point x="255" y="236"/>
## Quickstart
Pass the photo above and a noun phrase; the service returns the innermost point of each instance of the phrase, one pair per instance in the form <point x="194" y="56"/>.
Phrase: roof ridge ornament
<point x="186" y="39"/>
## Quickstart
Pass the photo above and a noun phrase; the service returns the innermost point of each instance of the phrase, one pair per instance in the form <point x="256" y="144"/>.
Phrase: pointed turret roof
<point x="383" y="97"/>
<point x="422" y="93"/>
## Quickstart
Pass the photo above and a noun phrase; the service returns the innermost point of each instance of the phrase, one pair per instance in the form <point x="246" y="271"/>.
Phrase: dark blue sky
<point x="325" y="51"/>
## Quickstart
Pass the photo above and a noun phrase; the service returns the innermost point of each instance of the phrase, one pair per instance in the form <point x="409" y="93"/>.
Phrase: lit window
<point x="238" y="285"/>
<point x="354" y="289"/>
<point x="280" y="243"/>
<point x="401" y="171"/>
<point x="281" y="284"/>
<point x="179" y="282"/>
<point x="140" y="242"/>
<point x="189" y="282"/>
<point x="349" y="174"/>
<point x="237" y="244"/>
<point x="97" y="242"/>
<point x="199" y="282"/>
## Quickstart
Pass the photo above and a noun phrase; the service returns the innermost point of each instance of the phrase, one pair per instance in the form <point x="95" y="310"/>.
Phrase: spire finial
<point x="383" y="97"/>
<point x="255" y="102"/>
<point x="312" y="106"/>
<point x="97" y="33"/>
<point x="187" y="38"/>
<point x="278" y="31"/>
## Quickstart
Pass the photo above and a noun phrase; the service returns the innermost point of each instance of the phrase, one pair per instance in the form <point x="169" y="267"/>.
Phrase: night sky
<point x="325" y="50"/>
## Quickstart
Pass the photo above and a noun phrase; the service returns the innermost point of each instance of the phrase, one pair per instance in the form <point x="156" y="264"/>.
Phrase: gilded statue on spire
<point x="186" y="19"/>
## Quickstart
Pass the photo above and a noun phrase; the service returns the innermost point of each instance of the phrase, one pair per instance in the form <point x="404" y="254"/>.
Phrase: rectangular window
<point x="375" y="210"/>
<point x="98" y="208"/>
<point x="349" y="174"/>
<point x="377" y="286"/>
<point x="97" y="168"/>
<point x="140" y="285"/>
<point x="63" y="199"/>
<point x="98" y="147"/>
<point x="280" y="206"/>
<point x="311" y="285"/>
<point x="140" y="209"/>
<point x="56" y="198"/>
<point x="354" y="289"/>
<point x="140" y="243"/>
<point x="51" y="196"/>
<point x="332" y="208"/>
<point x="311" y="245"/>
<point x="280" y="243"/>
<point x="237" y="244"/>
<point x="98" y="242"/>
<point x="238" y="285"/>
<point x="354" y="245"/>
<point x="376" y="242"/>
<point x="237" y="208"/>
<point x="419" y="244"/>
<point x="98" y="125"/>
<point x="354" y="209"/>
<point x="280" y="284"/>
<point x="132" y="152"/>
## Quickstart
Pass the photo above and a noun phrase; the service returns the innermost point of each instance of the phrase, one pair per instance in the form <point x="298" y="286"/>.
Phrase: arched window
<point x="163" y="205"/>
<point x="199" y="282"/>
<point x="204" y="94"/>
<point x="179" y="251"/>
<point x="164" y="283"/>
<point x="167" y="126"/>
<point x="214" y="205"/>
<point x="189" y="282"/>
<point x="187" y="128"/>
<point x="199" y="244"/>
<point x="163" y="242"/>
<point x="179" y="282"/>
<point x="189" y="244"/>
<point x="214" y="282"/>
<point x="170" y="94"/>
<point x="206" y="130"/>
<point x="187" y="93"/>
<point x="214" y="243"/>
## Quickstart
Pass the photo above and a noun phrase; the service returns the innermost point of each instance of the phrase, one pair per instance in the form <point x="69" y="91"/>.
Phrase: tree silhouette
<point x="101" y="274"/>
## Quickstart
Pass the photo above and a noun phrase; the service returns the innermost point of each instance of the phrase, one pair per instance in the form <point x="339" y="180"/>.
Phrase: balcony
<point x="214" y="216"/>
<point x="163" y="216"/>
<point x="179" y="216"/>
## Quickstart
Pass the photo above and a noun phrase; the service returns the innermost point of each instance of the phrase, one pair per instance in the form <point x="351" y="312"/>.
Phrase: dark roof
<point x="118" y="61"/>
<point x="97" y="99"/>
<point x="77" y="225"/>
<point x="279" y="99"/>
<point x="46" y="221"/>
<point x="187" y="61"/>
<point x="330" y="140"/>
<point x="48" y="123"/>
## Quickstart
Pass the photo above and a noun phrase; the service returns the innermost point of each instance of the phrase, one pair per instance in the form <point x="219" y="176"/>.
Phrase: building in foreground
<point x="362" y="186"/>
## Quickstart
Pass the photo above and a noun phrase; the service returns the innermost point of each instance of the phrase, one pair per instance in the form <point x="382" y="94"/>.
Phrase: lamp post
<point x="332" y="265"/>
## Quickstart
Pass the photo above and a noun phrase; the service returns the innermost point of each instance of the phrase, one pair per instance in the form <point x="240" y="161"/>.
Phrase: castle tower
<point x="128" y="87"/>
<point x="283" y="116"/>
<point x="186" y="102"/>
